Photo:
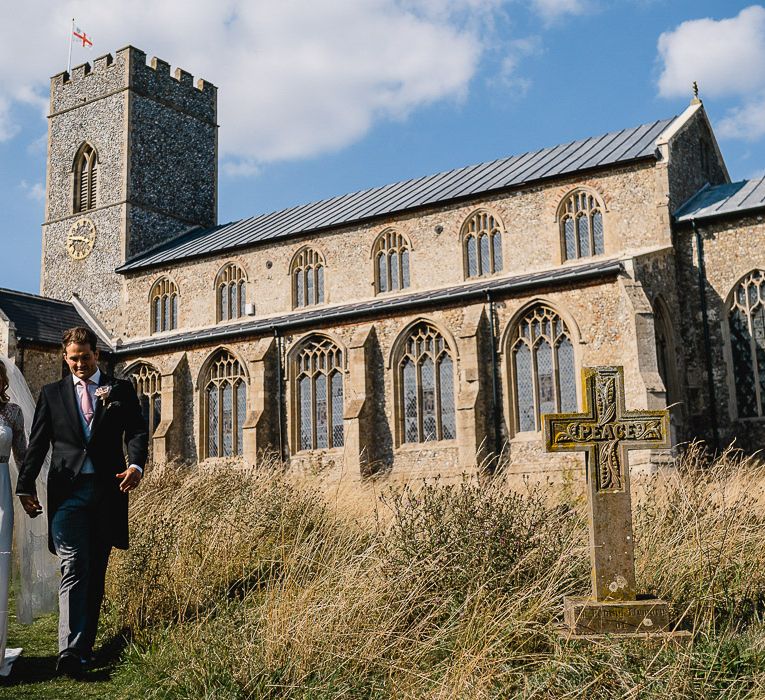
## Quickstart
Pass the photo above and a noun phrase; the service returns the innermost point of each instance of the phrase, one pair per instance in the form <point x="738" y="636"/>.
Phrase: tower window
<point x="85" y="178"/>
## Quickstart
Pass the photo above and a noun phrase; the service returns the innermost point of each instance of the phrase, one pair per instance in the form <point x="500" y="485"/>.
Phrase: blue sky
<point x="324" y="97"/>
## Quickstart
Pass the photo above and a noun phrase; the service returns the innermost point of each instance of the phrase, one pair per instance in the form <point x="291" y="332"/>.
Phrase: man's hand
<point x="31" y="505"/>
<point x="131" y="477"/>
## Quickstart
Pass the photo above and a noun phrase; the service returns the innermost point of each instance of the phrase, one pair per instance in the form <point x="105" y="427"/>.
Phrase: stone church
<point x="417" y="328"/>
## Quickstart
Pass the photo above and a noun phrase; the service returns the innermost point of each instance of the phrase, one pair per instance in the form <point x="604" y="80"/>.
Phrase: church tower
<point x="132" y="162"/>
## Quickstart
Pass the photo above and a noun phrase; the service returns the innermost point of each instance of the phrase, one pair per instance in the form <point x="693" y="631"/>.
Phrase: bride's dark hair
<point x="4" y="398"/>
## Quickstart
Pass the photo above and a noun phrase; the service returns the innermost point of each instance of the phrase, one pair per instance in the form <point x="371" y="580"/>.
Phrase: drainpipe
<point x="494" y="387"/>
<point x="278" y="339"/>
<point x="707" y="338"/>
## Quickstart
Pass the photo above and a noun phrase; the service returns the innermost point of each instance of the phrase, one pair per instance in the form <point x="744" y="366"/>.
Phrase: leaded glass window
<point x="164" y="305"/>
<point x="581" y="225"/>
<point x="225" y="406"/>
<point x="542" y="368"/>
<point x="426" y="387"/>
<point x="746" y="321"/>
<point x="482" y="245"/>
<point x="147" y="382"/>
<point x="307" y="272"/>
<point x="391" y="254"/>
<point x="85" y="178"/>
<point x="319" y="395"/>
<point x="230" y="285"/>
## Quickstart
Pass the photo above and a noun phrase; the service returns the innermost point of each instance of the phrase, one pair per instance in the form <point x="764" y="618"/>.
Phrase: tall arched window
<point x="147" y="382"/>
<point x="581" y="226"/>
<point x="164" y="305"/>
<point x="307" y="272"/>
<point x="318" y="392"/>
<point x="230" y="292"/>
<point x="746" y="320"/>
<point x="224" y="401"/>
<point x="425" y="369"/>
<point x="542" y="368"/>
<point x="85" y="178"/>
<point x="391" y="256"/>
<point x="482" y="245"/>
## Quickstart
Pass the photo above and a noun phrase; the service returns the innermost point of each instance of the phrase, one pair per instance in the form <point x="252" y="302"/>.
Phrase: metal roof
<point x="730" y="198"/>
<point x="458" y="294"/>
<point x="39" y="319"/>
<point x="598" y="151"/>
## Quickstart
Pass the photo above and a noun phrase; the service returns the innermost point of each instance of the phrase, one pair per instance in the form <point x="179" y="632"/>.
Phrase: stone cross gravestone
<point x="605" y="431"/>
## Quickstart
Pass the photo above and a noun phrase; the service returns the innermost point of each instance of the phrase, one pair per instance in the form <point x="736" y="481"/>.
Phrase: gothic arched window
<point x="307" y="272"/>
<point x="85" y="178"/>
<point x="425" y="367"/>
<point x="482" y="245"/>
<point x="581" y="226"/>
<point x="164" y="305"/>
<point x="746" y="320"/>
<point x="147" y="382"/>
<point x="318" y="392"/>
<point x="224" y="401"/>
<point x="391" y="256"/>
<point x="542" y="368"/>
<point x="230" y="292"/>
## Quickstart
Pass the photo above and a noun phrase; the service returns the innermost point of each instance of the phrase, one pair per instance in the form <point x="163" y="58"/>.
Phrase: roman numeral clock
<point x="81" y="239"/>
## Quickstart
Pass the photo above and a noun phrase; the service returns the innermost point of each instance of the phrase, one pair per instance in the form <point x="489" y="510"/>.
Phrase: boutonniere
<point x="102" y="393"/>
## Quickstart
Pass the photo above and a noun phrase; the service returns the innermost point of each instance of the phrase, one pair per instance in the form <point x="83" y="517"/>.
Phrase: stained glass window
<point x="307" y="272"/>
<point x="426" y="378"/>
<point x="230" y="283"/>
<point x="164" y="305"/>
<point x="225" y="406"/>
<point x="581" y="226"/>
<point x="319" y="400"/>
<point x="542" y="368"/>
<point x="746" y="320"/>
<point x="482" y="244"/>
<point x="391" y="253"/>
<point x="147" y="382"/>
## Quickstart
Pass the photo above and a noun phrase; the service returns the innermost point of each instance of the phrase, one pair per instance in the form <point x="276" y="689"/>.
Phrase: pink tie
<point x="85" y="402"/>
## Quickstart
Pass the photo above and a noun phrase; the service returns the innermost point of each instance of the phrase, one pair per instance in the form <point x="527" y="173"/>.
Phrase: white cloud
<point x="517" y="50"/>
<point x="746" y="122"/>
<point x="295" y="78"/>
<point x="551" y="10"/>
<point x="726" y="57"/>
<point x="34" y="191"/>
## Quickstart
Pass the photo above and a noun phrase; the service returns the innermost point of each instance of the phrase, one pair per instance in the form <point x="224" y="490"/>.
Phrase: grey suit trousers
<point x="84" y="557"/>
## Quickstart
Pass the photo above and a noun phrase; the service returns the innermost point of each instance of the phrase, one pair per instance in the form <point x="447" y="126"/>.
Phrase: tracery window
<point x="746" y="320"/>
<point x="224" y="400"/>
<point x="482" y="245"/>
<point x="164" y="305"/>
<point x="318" y="391"/>
<point x="426" y="387"/>
<point x="542" y="368"/>
<point x="230" y="290"/>
<point x="391" y="255"/>
<point x="85" y="178"/>
<point x="147" y="382"/>
<point x="307" y="272"/>
<point x="581" y="226"/>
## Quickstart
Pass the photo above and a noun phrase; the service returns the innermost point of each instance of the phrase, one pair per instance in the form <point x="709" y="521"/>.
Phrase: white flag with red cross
<point x="82" y="38"/>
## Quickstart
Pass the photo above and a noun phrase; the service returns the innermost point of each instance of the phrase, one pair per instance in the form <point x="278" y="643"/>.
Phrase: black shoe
<point x="69" y="664"/>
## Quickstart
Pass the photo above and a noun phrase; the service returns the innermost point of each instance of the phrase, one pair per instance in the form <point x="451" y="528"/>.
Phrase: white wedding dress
<point x="12" y="439"/>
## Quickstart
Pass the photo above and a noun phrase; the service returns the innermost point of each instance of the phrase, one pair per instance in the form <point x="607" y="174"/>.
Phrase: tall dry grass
<point x="242" y="584"/>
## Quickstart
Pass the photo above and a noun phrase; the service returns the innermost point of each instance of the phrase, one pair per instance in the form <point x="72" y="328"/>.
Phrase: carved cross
<point x="605" y="431"/>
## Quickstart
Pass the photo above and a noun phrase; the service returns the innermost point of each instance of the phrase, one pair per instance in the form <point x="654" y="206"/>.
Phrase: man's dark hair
<point x="79" y="335"/>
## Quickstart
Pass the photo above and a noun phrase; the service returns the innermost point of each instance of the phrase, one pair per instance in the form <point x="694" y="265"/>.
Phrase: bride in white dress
<point x="12" y="440"/>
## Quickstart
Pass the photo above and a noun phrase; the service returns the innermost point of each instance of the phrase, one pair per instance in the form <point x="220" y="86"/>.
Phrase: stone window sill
<point x="430" y="445"/>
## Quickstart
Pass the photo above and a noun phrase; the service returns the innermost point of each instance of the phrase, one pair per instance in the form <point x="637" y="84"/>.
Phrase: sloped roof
<point x="719" y="200"/>
<point x="383" y="305"/>
<point x="595" y="152"/>
<point x="39" y="319"/>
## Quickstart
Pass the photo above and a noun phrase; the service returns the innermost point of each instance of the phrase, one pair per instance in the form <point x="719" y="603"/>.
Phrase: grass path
<point x="34" y="673"/>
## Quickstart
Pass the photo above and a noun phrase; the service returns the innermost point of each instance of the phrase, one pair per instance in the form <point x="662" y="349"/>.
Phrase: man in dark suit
<point x="89" y="418"/>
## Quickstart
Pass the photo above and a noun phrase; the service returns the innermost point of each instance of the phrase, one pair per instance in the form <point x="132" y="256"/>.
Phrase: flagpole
<point x="69" y="60"/>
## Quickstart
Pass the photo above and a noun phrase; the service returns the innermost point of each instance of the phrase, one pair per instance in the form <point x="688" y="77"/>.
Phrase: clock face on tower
<point x="81" y="239"/>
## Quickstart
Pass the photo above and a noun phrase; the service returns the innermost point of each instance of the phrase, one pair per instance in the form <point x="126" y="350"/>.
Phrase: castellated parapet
<point x="128" y="69"/>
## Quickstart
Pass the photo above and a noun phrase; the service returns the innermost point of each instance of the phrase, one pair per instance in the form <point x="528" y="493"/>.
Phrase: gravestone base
<point x="628" y="618"/>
